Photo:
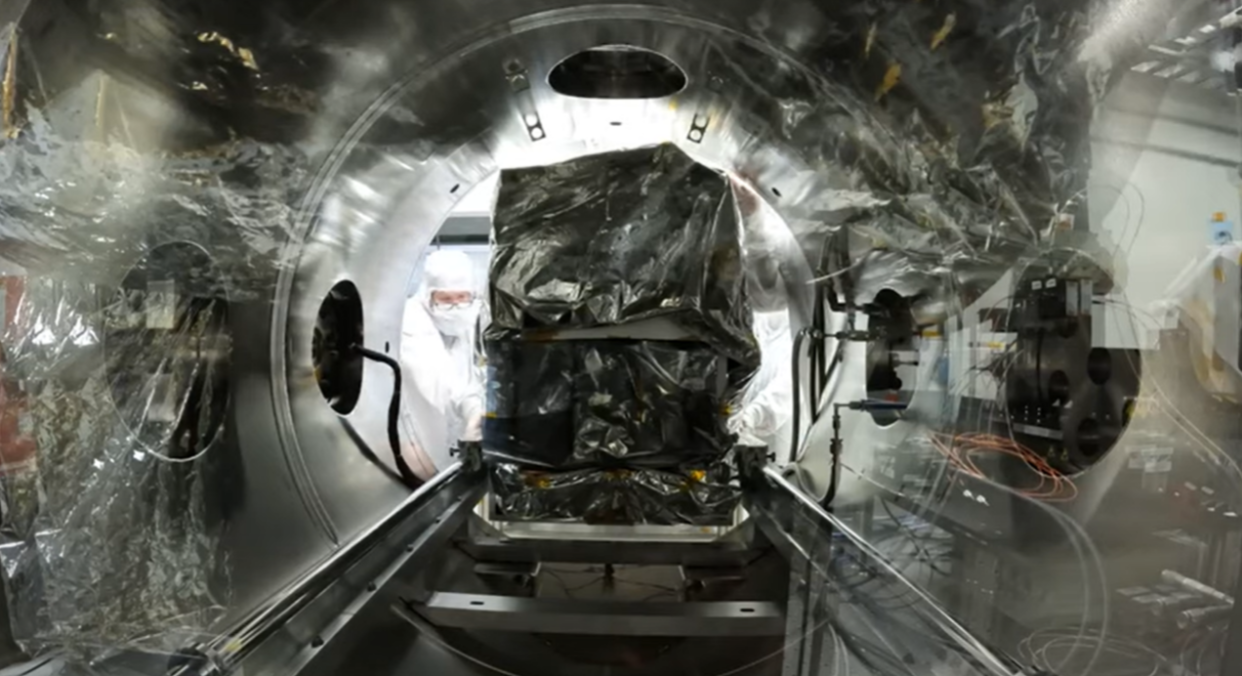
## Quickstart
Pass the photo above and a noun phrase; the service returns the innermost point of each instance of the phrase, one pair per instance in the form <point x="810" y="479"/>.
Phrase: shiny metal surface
<point x="385" y="202"/>
<point x="422" y="507"/>
<point x="413" y="106"/>
<point x="329" y="609"/>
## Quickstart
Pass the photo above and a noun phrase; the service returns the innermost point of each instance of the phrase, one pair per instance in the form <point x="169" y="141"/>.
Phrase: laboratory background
<point x="669" y="338"/>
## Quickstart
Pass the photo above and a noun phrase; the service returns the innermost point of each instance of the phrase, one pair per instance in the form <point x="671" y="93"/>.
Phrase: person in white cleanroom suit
<point x="440" y="361"/>
<point x="765" y="415"/>
<point x="766" y="412"/>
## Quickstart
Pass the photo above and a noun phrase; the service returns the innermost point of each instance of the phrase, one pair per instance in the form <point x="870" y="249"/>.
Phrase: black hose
<point x="834" y="453"/>
<point x="818" y="355"/>
<point x="394" y="415"/>
<point x="797" y="392"/>
<point x="794" y="456"/>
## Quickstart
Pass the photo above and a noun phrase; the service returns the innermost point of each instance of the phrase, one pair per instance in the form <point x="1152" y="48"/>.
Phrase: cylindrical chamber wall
<point x="315" y="143"/>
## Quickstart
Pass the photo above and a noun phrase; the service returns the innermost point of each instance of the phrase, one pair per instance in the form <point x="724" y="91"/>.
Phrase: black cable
<point x="834" y="453"/>
<point x="832" y="369"/>
<point x="394" y="414"/>
<point x="797" y="392"/>
<point x="818" y="355"/>
<point x="365" y="449"/>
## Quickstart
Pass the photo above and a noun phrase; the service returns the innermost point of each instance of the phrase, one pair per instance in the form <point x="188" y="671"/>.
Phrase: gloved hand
<point x="470" y="411"/>
<point x="744" y="426"/>
<point x="474" y="428"/>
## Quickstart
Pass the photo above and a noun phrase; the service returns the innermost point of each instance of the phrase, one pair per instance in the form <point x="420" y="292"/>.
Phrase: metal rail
<point x="234" y="645"/>
<point x="928" y="606"/>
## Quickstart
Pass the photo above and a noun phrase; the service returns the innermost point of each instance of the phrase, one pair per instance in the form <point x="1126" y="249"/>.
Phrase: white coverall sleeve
<point x="424" y="424"/>
<point x="469" y="399"/>
<point x="769" y="405"/>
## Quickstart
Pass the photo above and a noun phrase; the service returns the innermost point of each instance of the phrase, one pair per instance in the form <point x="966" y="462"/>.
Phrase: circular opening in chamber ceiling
<point x="617" y="72"/>
<point x="167" y="350"/>
<point x="338" y="328"/>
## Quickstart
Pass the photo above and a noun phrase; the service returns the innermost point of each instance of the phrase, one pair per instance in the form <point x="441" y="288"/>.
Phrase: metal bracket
<point x="710" y="554"/>
<point x="486" y="612"/>
<point x="519" y="84"/>
<point x="698" y="127"/>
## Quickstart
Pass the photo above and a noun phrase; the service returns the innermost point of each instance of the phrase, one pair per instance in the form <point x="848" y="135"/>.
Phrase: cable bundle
<point x="960" y="450"/>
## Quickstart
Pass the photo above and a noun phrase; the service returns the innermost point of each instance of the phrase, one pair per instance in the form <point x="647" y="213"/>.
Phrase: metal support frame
<point x="720" y="554"/>
<point x="1188" y="57"/>
<point x="392" y="570"/>
<point x="316" y="616"/>
<point x="925" y="606"/>
<point x="602" y="618"/>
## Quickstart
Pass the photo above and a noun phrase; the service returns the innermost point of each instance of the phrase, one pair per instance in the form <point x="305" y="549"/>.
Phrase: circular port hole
<point x="338" y="369"/>
<point x="167" y="350"/>
<point x="1099" y="365"/>
<point x="617" y="72"/>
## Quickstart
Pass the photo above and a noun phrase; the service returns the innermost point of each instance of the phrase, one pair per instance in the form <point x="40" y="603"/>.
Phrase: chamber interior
<point x="929" y="164"/>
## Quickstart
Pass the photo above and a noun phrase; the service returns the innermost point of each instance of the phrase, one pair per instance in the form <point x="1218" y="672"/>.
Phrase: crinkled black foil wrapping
<point x="679" y="496"/>
<point x="605" y="241"/>
<point x="610" y="403"/>
<point x="619" y="237"/>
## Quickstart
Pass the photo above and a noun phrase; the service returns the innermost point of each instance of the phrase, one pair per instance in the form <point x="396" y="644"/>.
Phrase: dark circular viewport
<point x="338" y="368"/>
<point x="1099" y="365"/>
<point x="1090" y="437"/>
<point x="167" y="350"/>
<point x="617" y="72"/>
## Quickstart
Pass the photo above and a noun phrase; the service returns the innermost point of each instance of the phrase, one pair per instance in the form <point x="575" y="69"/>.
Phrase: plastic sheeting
<point x="115" y="485"/>
<point x="106" y="531"/>
<point x="952" y="140"/>
<point x="615" y="238"/>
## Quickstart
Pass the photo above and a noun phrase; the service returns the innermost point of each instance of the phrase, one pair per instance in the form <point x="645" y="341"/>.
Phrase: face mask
<point x="454" y="321"/>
